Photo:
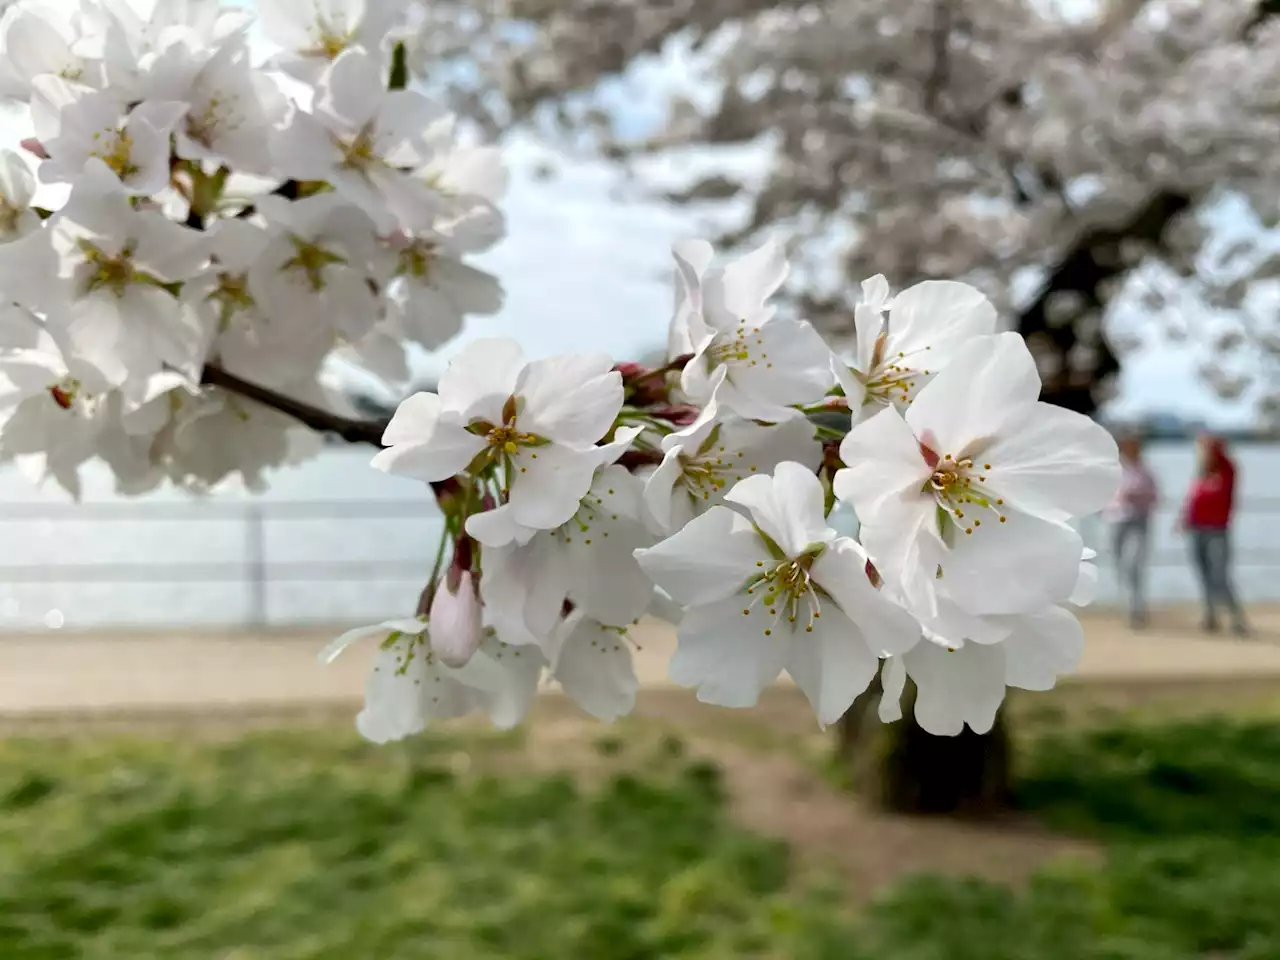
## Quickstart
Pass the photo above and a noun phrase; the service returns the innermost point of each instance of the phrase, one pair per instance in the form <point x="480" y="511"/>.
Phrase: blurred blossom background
<point x="1106" y="171"/>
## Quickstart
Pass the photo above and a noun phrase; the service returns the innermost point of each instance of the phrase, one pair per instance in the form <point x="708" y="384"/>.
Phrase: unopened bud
<point x="454" y="622"/>
<point x="32" y="145"/>
<point x="680" y="414"/>
<point x="873" y="575"/>
<point x="448" y="493"/>
<point x="831" y="455"/>
<point x="645" y="386"/>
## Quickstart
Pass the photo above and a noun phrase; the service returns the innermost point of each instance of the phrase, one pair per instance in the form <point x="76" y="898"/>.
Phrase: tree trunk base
<point x="902" y="768"/>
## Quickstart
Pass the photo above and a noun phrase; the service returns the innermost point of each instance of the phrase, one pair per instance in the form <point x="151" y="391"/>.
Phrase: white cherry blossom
<point x="896" y="356"/>
<point x="232" y="108"/>
<point x="76" y="124"/>
<point x="409" y="686"/>
<point x="535" y="423"/>
<point x="971" y="486"/>
<point x="363" y="139"/>
<point x="39" y="39"/>
<point x="594" y="666"/>
<point x="49" y="417"/>
<point x="434" y="289"/>
<point x="314" y="33"/>
<point x="750" y="363"/>
<point x="774" y="588"/>
<point x="700" y="467"/>
<point x="317" y="265"/>
<point x="101" y="272"/>
<point x="275" y="351"/>
<point x="207" y="436"/>
<point x="17" y="190"/>
<point x="589" y="560"/>
<point x="961" y="683"/>
<point x="469" y="178"/>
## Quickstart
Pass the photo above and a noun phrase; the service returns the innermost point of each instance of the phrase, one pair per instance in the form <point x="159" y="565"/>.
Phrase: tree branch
<point x="1084" y="268"/>
<point x="1090" y="262"/>
<point x="348" y="428"/>
<point x="940" y="40"/>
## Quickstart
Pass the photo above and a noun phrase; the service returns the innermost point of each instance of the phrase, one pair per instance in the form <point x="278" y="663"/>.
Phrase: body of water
<point x="335" y="541"/>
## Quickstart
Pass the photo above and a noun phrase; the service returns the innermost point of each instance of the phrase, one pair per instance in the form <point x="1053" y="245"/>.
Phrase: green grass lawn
<point x="310" y="844"/>
<point x="1190" y="812"/>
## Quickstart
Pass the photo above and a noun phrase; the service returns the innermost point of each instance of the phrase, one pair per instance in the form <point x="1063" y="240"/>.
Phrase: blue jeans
<point x="1130" y="548"/>
<point x="1211" y="554"/>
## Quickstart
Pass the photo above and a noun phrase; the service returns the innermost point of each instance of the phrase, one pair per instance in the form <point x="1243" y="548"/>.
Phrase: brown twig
<point x="348" y="428"/>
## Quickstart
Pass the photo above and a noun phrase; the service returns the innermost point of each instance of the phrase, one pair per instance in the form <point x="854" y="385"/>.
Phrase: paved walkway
<point x="56" y="672"/>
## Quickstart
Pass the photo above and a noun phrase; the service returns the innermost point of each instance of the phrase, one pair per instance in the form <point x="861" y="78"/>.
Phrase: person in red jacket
<point x="1206" y="516"/>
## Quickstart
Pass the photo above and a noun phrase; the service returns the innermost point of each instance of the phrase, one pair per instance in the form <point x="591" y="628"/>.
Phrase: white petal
<point x="353" y="88"/>
<point x="941" y="314"/>
<point x="606" y="579"/>
<point x="726" y="655"/>
<point x="746" y="283"/>
<point x="893" y="681"/>
<point x="989" y="384"/>
<point x="661" y="493"/>
<point x="875" y="291"/>
<point x="549" y="483"/>
<point x="789" y="363"/>
<point x="497" y="527"/>
<point x="841" y="571"/>
<point x="447" y="453"/>
<point x="788" y="507"/>
<point x="832" y="665"/>
<point x="508" y="679"/>
<point x="1020" y="566"/>
<point x="906" y="552"/>
<point x="481" y="377"/>
<point x="687" y="327"/>
<point x="868" y="325"/>
<point x="335" y="647"/>
<point x="414" y="420"/>
<point x="710" y="559"/>
<point x="1056" y="462"/>
<point x="1042" y="648"/>
<point x="1086" y="590"/>
<point x="883" y="462"/>
<point x="572" y="398"/>
<point x="956" y="687"/>
<point x="594" y="667"/>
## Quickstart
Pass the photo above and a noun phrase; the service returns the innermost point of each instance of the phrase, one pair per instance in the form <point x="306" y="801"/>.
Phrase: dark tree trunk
<point x="900" y="767"/>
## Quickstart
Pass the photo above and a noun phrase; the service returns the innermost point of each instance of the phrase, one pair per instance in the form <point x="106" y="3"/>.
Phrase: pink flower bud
<point x="454" y="622"/>
<point x="680" y="414"/>
<point x="32" y="145"/>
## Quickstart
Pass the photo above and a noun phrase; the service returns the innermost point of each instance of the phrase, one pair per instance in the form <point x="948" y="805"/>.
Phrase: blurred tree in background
<point x="1068" y="157"/>
<point x="1075" y="159"/>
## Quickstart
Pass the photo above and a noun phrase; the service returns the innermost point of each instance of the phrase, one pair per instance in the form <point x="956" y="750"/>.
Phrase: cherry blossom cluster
<point x="191" y="237"/>
<point x="183" y="207"/>
<point x="582" y="495"/>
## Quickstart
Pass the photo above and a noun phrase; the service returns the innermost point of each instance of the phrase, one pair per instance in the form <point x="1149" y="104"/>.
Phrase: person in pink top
<point x="1130" y="518"/>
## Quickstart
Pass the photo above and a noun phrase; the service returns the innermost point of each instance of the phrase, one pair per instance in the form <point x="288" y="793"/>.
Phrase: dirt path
<point x="55" y="672"/>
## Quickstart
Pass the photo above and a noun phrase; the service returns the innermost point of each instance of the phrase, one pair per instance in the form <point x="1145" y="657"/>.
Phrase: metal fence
<point x="252" y="569"/>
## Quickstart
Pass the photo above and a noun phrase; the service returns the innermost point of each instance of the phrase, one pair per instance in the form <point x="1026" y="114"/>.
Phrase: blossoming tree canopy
<point x="222" y="234"/>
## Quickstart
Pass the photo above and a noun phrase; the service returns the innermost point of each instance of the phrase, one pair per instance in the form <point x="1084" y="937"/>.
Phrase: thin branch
<point x="348" y="428"/>
<point x="940" y="41"/>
